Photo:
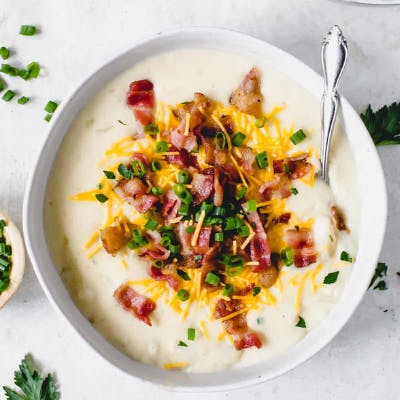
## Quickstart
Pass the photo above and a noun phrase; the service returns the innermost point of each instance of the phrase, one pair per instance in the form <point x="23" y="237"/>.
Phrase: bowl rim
<point x="177" y="380"/>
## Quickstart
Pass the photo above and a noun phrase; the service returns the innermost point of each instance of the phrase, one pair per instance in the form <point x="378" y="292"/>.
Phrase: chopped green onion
<point x="345" y="256"/>
<point x="34" y="69"/>
<point x="191" y="333"/>
<point x="99" y="186"/>
<point x="331" y="278"/>
<point x="23" y="100"/>
<point x="183" y="295"/>
<point x="4" y="53"/>
<point x="207" y="207"/>
<point x="157" y="191"/>
<point x="48" y="117"/>
<point x="220" y="140"/>
<point x="262" y="160"/>
<point x="227" y="290"/>
<point x="121" y="122"/>
<point x="51" y="106"/>
<point x="27" y="30"/>
<point x="174" y="248"/>
<point x="24" y="74"/>
<point x="101" y="197"/>
<point x="8" y="96"/>
<point x="259" y="320"/>
<point x="8" y="69"/>
<point x="233" y="270"/>
<point x="138" y="240"/>
<point x="230" y="224"/>
<point x="3" y="224"/>
<point x="182" y="344"/>
<point x="152" y="129"/>
<point x="150" y="224"/>
<point x="4" y="262"/>
<point x="287" y="256"/>
<point x="190" y="229"/>
<point x="138" y="168"/>
<point x="2" y="85"/>
<point x="109" y="174"/>
<point x="161" y="146"/>
<point x="212" y="279"/>
<point x="219" y="237"/>
<point x="244" y="231"/>
<point x="184" y="209"/>
<point x="294" y="191"/>
<point x="183" y="274"/>
<point x="165" y="241"/>
<point x="287" y="169"/>
<point x="220" y="211"/>
<point x="256" y="290"/>
<point x="183" y="177"/>
<point x="238" y="139"/>
<point x="4" y="283"/>
<point x="301" y="323"/>
<point x="158" y="264"/>
<point x="155" y="166"/>
<point x="260" y="122"/>
<point x="252" y="205"/>
<point x="183" y="194"/>
<point x="241" y="192"/>
<point x="125" y="171"/>
<point x="331" y="238"/>
<point x="298" y="136"/>
<point x="198" y="257"/>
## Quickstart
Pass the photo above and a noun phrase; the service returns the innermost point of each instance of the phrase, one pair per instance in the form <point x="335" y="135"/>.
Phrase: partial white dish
<point x="368" y="171"/>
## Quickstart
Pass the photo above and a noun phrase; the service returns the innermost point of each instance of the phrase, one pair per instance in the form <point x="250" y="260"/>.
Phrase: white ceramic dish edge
<point x="371" y="176"/>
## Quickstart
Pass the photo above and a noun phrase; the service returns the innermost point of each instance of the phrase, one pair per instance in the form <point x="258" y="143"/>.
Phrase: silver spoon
<point x="334" y="56"/>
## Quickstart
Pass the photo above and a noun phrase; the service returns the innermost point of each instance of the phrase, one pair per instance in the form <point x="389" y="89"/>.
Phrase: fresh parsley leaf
<point x="331" y="278"/>
<point x="182" y="344"/>
<point x="380" y="272"/>
<point x="32" y="384"/>
<point x="381" y="285"/>
<point x="301" y="323"/>
<point x="384" y="124"/>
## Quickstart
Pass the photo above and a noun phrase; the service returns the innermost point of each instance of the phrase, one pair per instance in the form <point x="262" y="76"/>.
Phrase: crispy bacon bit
<point x="180" y="141"/>
<point x="296" y="167"/>
<point x="203" y="243"/>
<point x="248" y="98"/>
<point x="167" y="274"/>
<point x="223" y="161"/>
<point x="160" y="253"/>
<point x="202" y="187"/>
<point x="268" y="277"/>
<point x="259" y="248"/>
<point x="278" y="188"/>
<point x="184" y="158"/>
<point x="194" y="109"/>
<point x="145" y="202"/>
<point x="339" y="219"/>
<point x="170" y="205"/>
<point x="248" y="158"/>
<point x="137" y="304"/>
<point x="302" y="242"/>
<point x="249" y="339"/>
<point x="114" y="238"/>
<point x="218" y="189"/>
<point x="184" y="239"/>
<point x="140" y="98"/>
<point x="283" y="218"/>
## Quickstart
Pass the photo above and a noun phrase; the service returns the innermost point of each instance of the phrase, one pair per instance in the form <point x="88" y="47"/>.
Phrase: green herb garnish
<point x="220" y="140"/>
<point x="23" y="100"/>
<point x="238" y="139"/>
<point x="256" y="290"/>
<point x="51" y="106"/>
<point x="182" y="344"/>
<point x="27" y="30"/>
<point x="183" y="295"/>
<point x="345" y="256"/>
<point x="183" y="274"/>
<point x="152" y="129"/>
<point x="212" y="279"/>
<point x="33" y="69"/>
<point x="262" y="160"/>
<point x="191" y="333"/>
<point x="298" y="137"/>
<point x="150" y="224"/>
<point x="157" y="264"/>
<point x="331" y="278"/>
<point x="48" y="117"/>
<point x="4" y="53"/>
<point x="252" y="205"/>
<point x="227" y="290"/>
<point x="380" y="272"/>
<point x="109" y="174"/>
<point x="122" y="122"/>
<point x="101" y="197"/>
<point x="287" y="256"/>
<point x="381" y="285"/>
<point x="301" y="323"/>
<point x="8" y="96"/>
<point x="125" y="171"/>
<point x="294" y="191"/>
<point x="260" y="122"/>
<point x="161" y="146"/>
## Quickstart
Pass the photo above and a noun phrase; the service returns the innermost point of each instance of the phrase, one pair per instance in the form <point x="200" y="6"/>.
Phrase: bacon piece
<point x="283" y="218"/>
<point x="184" y="158"/>
<point x="193" y="108"/>
<point x="278" y="188"/>
<point x="165" y="274"/>
<point x="137" y="304"/>
<point x="202" y="187"/>
<point x="114" y="238"/>
<point x="171" y="204"/>
<point x="249" y="339"/>
<point x="248" y="98"/>
<point x="180" y="141"/>
<point x="304" y="257"/>
<point x="203" y="243"/>
<point x="247" y="160"/>
<point x="224" y="161"/>
<point x="302" y="242"/>
<point x="140" y="98"/>
<point x="268" y="277"/>
<point x="259" y="248"/>
<point x="218" y="189"/>
<point x="208" y="262"/>
<point x="160" y="253"/>
<point x="296" y="167"/>
<point x="140" y="157"/>
<point x="339" y="219"/>
<point x="184" y="239"/>
<point x="145" y="202"/>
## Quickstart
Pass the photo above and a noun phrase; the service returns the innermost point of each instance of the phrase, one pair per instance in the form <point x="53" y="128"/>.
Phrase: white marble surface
<point x="77" y="35"/>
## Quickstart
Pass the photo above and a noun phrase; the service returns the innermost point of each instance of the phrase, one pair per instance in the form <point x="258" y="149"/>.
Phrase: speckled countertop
<point x="76" y="36"/>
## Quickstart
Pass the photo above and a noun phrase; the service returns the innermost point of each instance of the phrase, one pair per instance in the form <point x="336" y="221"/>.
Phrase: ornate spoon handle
<point x="334" y="56"/>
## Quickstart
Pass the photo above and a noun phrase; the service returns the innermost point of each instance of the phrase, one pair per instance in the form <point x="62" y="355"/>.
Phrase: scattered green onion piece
<point x="4" y="262"/>
<point x="24" y="74"/>
<point x="138" y="240"/>
<point x="4" y="284"/>
<point x="48" y="117"/>
<point x="157" y="191"/>
<point x="256" y="290"/>
<point x="262" y="160"/>
<point x="252" y="205"/>
<point x="4" y="53"/>
<point x="298" y="137"/>
<point x="294" y="191"/>
<point x="165" y="241"/>
<point x="181" y="343"/>
<point x="331" y="278"/>
<point x="260" y="320"/>
<point x="122" y="122"/>
<point x="219" y="237"/>
<point x="287" y="256"/>
<point x="101" y="197"/>
<point x="183" y="177"/>
<point x="183" y="194"/>
<point x="124" y="171"/>
<point x="230" y="224"/>
<point x="260" y="122"/>
<point x="238" y="139"/>
<point x="158" y="264"/>
<point x="227" y="290"/>
<point x="244" y="231"/>
<point x="301" y="323"/>
<point x="212" y="279"/>
<point x="155" y="166"/>
<point x="51" y="106"/>
<point x="220" y="211"/>
<point x="152" y="129"/>
<point x="8" y="96"/>
<point x="287" y="169"/>
<point x="183" y="209"/>
<point x="241" y="192"/>
<point x="183" y="274"/>
<point x="34" y="69"/>
<point x="207" y="207"/>
<point x="138" y="168"/>
<point x="233" y="270"/>
<point x="331" y="238"/>
<point x="183" y="295"/>
<point x="99" y="186"/>
<point x="27" y="30"/>
<point x="109" y="174"/>
<point x="150" y="224"/>
<point x="220" y="140"/>
<point x="191" y="333"/>
<point x="8" y="69"/>
<point x="161" y="146"/>
<point x="345" y="256"/>
<point x="3" y="224"/>
<point x="190" y="229"/>
<point x="174" y="248"/>
<point x="23" y="100"/>
<point x="2" y="85"/>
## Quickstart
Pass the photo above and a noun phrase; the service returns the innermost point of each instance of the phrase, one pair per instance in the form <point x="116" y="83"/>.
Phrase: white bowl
<point x="371" y="187"/>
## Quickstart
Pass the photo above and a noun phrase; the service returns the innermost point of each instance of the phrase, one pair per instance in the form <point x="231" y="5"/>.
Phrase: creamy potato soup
<point x="186" y="218"/>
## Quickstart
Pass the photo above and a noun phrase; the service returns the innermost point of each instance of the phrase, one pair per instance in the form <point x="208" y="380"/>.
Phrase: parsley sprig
<point x="32" y="384"/>
<point x="384" y="124"/>
<point x="380" y="272"/>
